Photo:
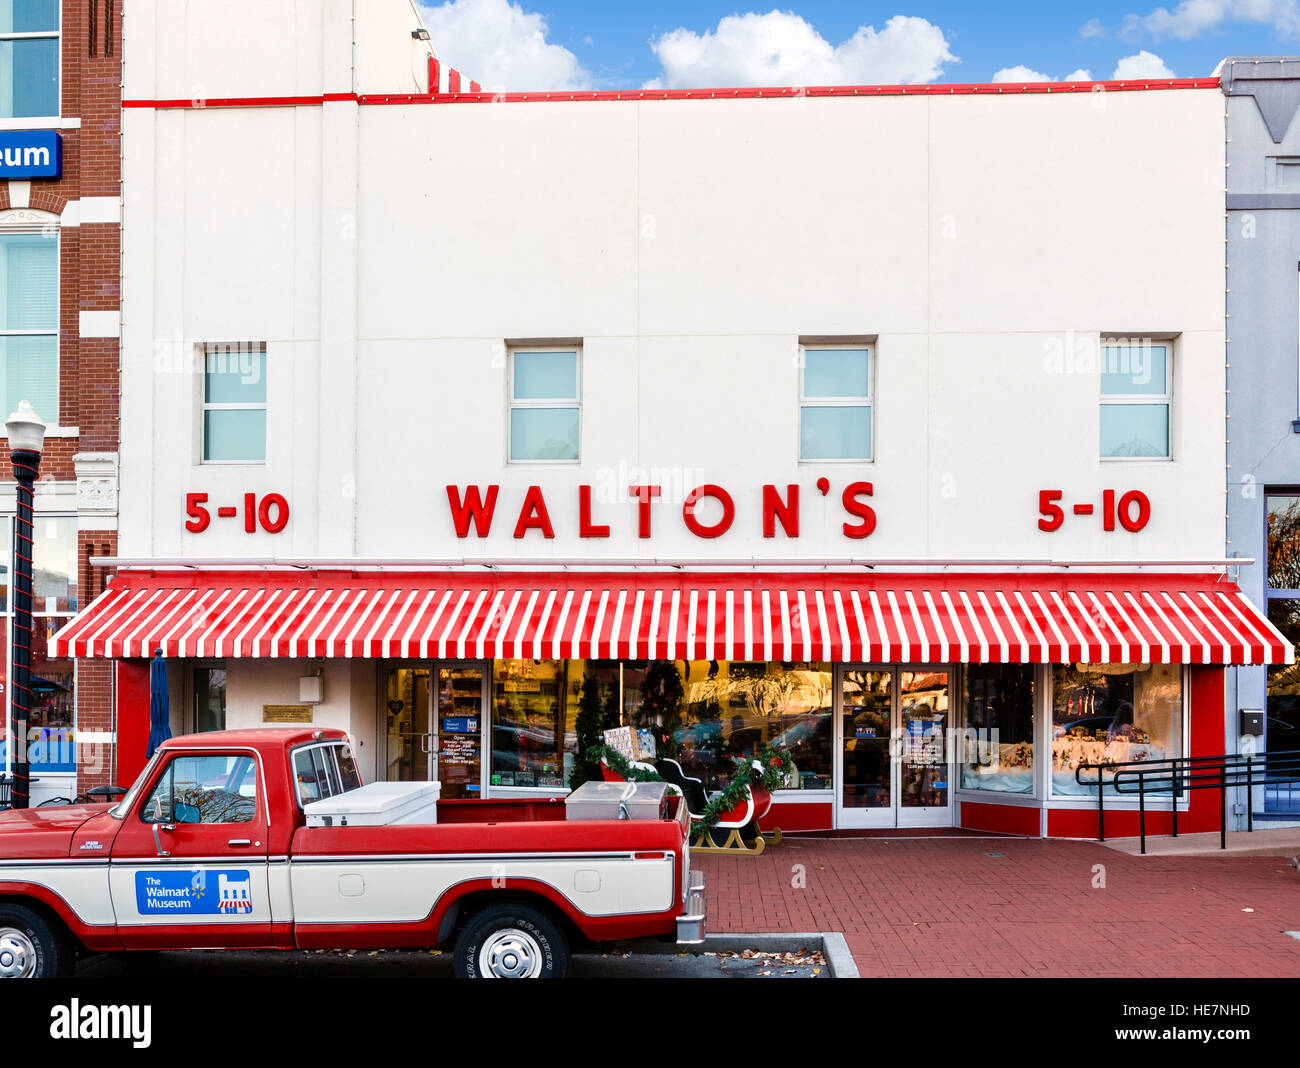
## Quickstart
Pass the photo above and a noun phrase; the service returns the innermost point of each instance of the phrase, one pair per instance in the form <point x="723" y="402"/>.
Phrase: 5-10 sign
<point x="270" y="513"/>
<point x="1131" y="510"/>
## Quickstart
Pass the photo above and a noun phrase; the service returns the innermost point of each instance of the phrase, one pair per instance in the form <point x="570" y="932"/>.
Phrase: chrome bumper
<point x="690" y="924"/>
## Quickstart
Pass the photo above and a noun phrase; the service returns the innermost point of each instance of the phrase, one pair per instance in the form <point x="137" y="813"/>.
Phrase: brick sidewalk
<point x="945" y="908"/>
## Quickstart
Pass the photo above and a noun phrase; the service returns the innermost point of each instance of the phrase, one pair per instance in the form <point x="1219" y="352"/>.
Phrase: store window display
<point x="998" y="742"/>
<point x="1113" y="714"/>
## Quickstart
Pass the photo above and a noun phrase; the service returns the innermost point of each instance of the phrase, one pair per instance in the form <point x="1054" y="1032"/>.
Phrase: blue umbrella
<point x="160" y="703"/>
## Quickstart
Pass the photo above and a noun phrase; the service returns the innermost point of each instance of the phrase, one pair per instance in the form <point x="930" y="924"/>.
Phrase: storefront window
<point x="1112" y="714"/>
<point x="54" y="565"/>
<point x="1282" y="723"/>
<point x="52" y="715"/>
<point x="51" y="718"/>
<point x="737" y="709"/>
<point x="533" y="740"/>
<point x="998" y="744"/>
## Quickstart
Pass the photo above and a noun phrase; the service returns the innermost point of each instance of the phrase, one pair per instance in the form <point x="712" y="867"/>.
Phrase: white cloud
<point x="1092" y="28"/>
<point x="1020" y="74"/>
<point x="1028" y="74"/>
<point x="1192" y="17"/>
<point x="501" y="46"/>
<point x="781" y="48"/>
<point x="1143" y="65"/>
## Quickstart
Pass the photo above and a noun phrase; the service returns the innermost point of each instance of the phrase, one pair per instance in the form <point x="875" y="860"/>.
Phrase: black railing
<point x="1172" y="777"/>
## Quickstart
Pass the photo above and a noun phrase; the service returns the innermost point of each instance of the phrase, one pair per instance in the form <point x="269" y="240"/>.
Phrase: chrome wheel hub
<point x="510" y="954"/>
<point x="17" y="954"/>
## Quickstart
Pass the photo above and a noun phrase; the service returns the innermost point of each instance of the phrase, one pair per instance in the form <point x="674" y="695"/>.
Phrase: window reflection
<point x="1113" y="713"/>
<point x="530" y="727"/>
<point x="733" y="709"/>
<point x="999" y="739"/>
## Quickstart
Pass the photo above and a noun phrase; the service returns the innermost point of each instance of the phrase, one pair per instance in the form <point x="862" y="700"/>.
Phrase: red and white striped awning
<point x="930" y="618"/>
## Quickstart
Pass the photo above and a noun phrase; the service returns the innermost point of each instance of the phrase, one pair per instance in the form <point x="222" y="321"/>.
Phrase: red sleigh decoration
<point x="736" y="830"/>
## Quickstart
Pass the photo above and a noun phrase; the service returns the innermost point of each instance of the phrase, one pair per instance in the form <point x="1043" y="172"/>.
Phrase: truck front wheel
<point x="511" y="942"/>
<point x="31" y="947"/>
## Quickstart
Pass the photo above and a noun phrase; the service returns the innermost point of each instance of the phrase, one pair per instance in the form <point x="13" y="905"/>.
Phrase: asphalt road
<point x="412" y="964"/>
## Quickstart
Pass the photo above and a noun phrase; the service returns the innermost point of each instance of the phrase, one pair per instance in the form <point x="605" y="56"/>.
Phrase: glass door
<point x="409" y="733"/>
<point x="892" y="748"/>
<point x="866" y="793"/>
<point x="459" y="730"/>
<point x="923" y="772"/>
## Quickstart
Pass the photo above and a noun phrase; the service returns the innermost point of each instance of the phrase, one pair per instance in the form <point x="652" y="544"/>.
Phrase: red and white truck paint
<point x="211" y="849"/>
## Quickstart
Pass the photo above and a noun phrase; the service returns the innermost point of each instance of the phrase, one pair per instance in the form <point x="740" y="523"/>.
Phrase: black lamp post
<point x="26" y="439"/>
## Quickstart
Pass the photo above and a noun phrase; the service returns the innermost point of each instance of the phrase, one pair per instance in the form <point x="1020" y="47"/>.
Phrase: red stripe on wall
<point x="766" y="93"/>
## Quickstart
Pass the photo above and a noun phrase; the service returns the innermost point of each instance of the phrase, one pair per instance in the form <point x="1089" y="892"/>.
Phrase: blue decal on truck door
<point x="195" y="892"/>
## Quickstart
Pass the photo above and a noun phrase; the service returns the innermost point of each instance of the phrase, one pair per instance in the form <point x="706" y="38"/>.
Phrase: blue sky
<point x="551" y="44"/>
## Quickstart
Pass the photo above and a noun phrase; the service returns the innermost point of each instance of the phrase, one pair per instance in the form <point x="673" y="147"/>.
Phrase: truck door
<point x="189" y="866"/>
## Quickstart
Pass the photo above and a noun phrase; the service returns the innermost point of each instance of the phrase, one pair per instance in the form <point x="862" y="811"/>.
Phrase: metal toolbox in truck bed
<point x="378" y="804"/>
<point x="618" y="800"/>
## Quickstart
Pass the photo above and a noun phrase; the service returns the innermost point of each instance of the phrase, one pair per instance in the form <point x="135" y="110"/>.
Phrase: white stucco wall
<point x="350" y="700"/>
<point x="385" y="254"/>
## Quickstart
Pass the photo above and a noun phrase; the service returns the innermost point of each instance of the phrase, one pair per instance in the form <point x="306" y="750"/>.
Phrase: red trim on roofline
<point x="775" y="92"/>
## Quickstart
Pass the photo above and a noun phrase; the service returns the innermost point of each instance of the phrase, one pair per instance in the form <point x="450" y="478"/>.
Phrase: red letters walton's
<point x="474" y="507"/>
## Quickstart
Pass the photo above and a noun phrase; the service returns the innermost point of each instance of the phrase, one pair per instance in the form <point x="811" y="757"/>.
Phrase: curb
<point x="839" y="961"/>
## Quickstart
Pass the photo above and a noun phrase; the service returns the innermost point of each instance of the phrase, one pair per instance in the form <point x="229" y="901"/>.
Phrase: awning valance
<point x="754" y="615"/>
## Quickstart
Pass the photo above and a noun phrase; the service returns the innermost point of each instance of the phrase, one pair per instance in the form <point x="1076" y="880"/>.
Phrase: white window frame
<point x="869" y="402"/>
<point x="51" y="418"/>
<point x="205" y="406"/>
<point x="12" y="122"/>
<point x="1166" y="398"/>
<point x="543" y="402"/>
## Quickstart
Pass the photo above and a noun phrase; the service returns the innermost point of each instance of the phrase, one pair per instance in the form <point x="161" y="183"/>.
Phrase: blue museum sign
<point x="30" y="154"/>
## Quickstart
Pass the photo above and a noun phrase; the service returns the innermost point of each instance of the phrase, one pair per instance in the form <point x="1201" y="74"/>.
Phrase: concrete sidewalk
<point x="1269" y="842"/>
<point x="1017" y="907"/>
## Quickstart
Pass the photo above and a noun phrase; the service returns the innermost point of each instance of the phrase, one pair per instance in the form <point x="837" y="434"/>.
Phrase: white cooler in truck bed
<point x="378" y="804"/>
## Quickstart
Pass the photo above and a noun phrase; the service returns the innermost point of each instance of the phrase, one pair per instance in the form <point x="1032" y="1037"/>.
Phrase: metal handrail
<point x="1175" y="774"/>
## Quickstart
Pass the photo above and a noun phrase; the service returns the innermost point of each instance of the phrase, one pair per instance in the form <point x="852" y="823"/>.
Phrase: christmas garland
<point x="767" y="769"/>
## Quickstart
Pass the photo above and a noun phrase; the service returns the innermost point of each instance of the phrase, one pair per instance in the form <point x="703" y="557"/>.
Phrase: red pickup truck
<point x="214" y="847"/>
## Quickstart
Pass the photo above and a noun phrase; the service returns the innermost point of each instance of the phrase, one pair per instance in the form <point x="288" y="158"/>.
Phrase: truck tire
<point x="511" y="942"/>
<point x="33" y="947"/>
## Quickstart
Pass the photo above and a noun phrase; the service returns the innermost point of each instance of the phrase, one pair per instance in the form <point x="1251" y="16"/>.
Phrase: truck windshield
<point x="124" y="806"/>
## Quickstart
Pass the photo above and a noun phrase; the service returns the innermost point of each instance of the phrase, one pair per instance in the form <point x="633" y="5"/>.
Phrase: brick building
<point x="60" y="209"/>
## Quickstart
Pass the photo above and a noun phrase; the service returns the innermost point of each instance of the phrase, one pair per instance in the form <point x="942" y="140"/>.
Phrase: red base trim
<point x="798" y="817"/>
<point x="1002" y="819"/>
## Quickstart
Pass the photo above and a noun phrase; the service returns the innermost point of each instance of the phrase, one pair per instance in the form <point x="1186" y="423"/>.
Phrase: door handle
<point x="157" y="842"/>
<point x="240" y="842"/>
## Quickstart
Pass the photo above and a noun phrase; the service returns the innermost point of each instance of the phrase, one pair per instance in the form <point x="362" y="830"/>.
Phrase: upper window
<point x="234" y="403"/>
<point x="1136" y="391"/>
<point x="835" y="404"/>
<point x="544" y="404"/>
<point x="29" y="322"/>
<point x="29" y="59"/>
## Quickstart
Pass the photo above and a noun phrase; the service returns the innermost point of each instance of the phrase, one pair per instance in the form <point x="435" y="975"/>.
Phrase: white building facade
<point x="882" y="425"/>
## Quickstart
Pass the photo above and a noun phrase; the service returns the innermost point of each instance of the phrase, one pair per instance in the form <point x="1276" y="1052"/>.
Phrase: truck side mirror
<point x="158" y="812"/>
